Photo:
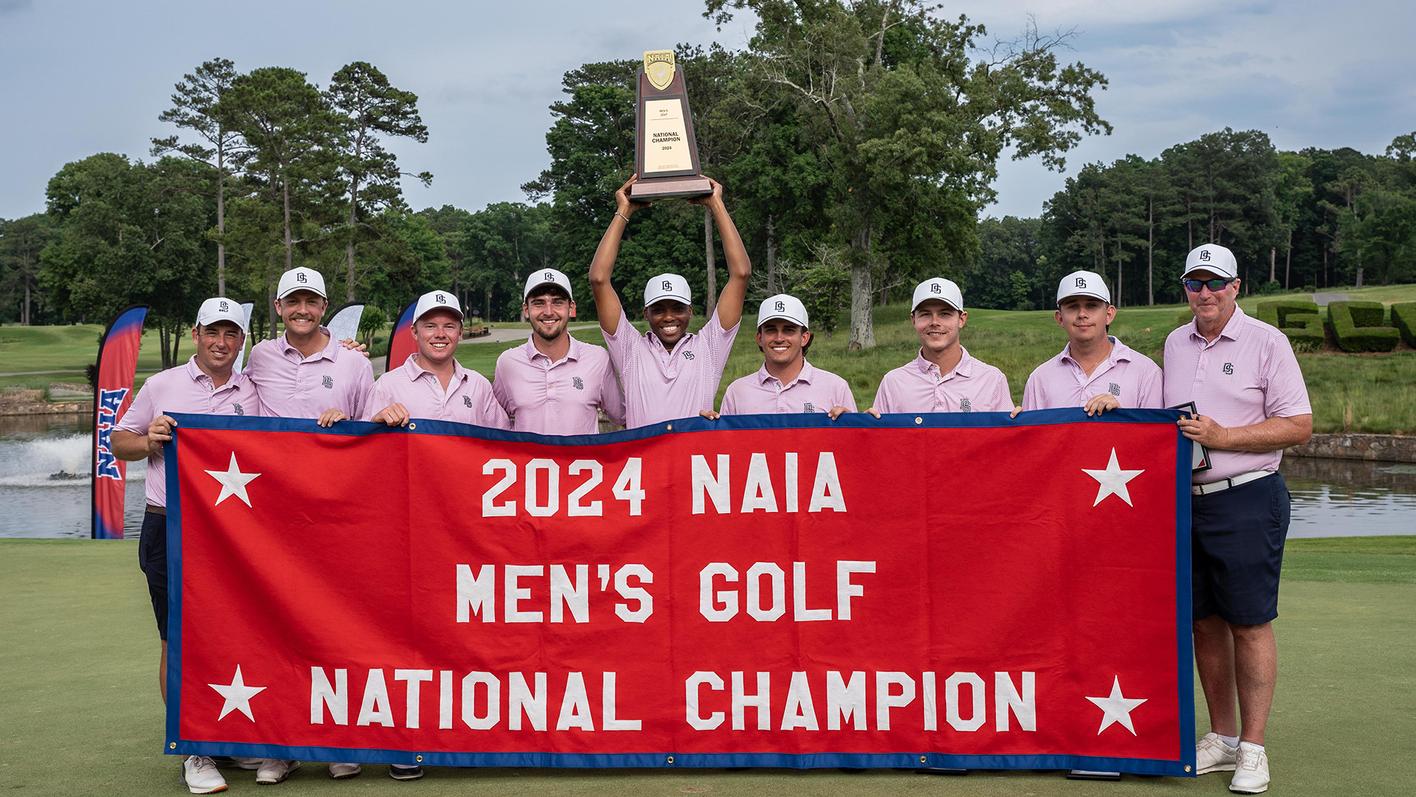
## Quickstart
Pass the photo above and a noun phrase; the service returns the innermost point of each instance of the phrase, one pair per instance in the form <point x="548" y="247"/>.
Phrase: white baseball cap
<point x="783" y="306"/>
<point x="1216" y="259"/>
<point x="436" y="300"/>
<point x="938" y="288"/>
<point x="1083" y="283"/>
<point x="301" y="279"/>
<point x="221" y="308"/>
<point x="547" y="276"/>
<point x="667" y="286"/>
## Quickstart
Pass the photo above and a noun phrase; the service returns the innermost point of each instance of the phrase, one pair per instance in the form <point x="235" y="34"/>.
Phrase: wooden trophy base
<point x="652" y="188"/>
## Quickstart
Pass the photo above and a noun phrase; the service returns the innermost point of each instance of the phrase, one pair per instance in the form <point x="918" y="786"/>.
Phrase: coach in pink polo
<point x="555" y="384"/>
<point x="669" y="372"/>
<point x="1095" y="371"/>
<point x="786" y="382"/>
<point x="306" y="373"/>
<point x="205" y="385"/>
<point x="1251" y="403"/>
<point x="432" y="383"/>
<point x="943" y="377"/>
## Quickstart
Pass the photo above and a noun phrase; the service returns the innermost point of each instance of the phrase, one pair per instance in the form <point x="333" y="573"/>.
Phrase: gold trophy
<point x="665" y="151"/>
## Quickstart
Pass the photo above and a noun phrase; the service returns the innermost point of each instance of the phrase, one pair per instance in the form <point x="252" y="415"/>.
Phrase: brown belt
<point x="156" y="510"/>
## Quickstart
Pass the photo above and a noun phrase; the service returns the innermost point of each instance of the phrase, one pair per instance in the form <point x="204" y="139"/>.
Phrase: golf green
<point x="80" y="713"/>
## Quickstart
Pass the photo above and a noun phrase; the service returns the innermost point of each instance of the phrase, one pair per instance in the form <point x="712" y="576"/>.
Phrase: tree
<point x="368" y="109"/>
<point x="21" y="241"/>
<point x="194" y="101"/>
<point x="500" y="246"/>
<point x="909" y="119"/>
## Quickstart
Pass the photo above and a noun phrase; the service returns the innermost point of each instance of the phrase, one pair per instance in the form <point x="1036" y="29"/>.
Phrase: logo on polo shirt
<point x="808" y="407"/>
<point x="238" y="409"/>
<point x="328" y="382"/>
<point x="467" y="402"/>
<point x="577" y="383"/>
<point x="1228" y="369"/>
<point x="965" y="406"/>
<point x="1114" y="389"/>
<point x="688" y="355"/>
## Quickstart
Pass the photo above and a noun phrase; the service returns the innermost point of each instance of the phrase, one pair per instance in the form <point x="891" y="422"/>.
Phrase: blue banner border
<point x="1183" y="765"/>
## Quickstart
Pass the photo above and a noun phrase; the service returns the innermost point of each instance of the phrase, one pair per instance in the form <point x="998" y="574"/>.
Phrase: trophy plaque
<point x="665" y="151"/>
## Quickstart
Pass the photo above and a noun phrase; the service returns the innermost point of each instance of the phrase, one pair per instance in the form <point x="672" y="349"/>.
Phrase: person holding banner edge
<point x="432" y="383"/>
<point x="1251" y="403"/>
<point x="786" y="382"/>
<point x="555" y="384"/>
<point x="205" y="384"/>
<point x="669" y="372"/>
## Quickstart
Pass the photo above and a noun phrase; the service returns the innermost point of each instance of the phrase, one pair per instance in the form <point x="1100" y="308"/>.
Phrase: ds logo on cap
<point x="934" y="288"/>
<point x="225" y="305"/>
<point x="666" y="285"/>
<point x="1205" y="255"/>
<point x="1081" y="282"/>
<point x="780" y="306"/>
<point x="440" y="299"/>
<point x="550" y="277"/>
<point x="300" y="277"/>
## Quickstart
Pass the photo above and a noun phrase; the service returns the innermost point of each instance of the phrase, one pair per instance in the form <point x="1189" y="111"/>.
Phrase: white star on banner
<point x="233" y="482"/>
<point x="1116" y="708"/>
<point x="237" y="696"/>
<point x="1112" y="480"/>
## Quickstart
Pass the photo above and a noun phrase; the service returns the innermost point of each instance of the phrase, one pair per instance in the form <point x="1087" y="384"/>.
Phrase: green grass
<point x="1349" y="392"/>
<point x="81" y="715"/>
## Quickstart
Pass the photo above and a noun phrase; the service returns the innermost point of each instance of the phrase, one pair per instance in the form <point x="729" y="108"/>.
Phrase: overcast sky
<point x="78" y="78"/>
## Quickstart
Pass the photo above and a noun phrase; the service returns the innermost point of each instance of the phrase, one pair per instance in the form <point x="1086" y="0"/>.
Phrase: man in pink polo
<point x="943" y="377"/>
<point x="1251" y="403"/>
<point x="205" y="385"/>
<point x="306" y="373"/>
<point x="1095" y="371"/>
<point x="432" y="383"/>
<point x="555" y="384"/>
<point x="786" y="382"/>
<point x="669" y="372"/>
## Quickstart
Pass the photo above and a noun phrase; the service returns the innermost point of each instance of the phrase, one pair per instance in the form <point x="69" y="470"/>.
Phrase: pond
<point x="45" y="491"/>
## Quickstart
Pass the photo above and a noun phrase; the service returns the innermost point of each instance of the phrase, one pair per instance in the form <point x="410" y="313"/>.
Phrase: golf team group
<point x="1249" y="398"/>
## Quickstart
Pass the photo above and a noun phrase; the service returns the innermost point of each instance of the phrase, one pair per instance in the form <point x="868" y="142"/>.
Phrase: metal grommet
<point x="923" y="759"/>
<point x="412" y="426"/>
<point x="171" y="745"/>
<point x="1187" y="768"/>
<point x="918" y="420"/>
<point x="418" y="758"/>
<point x="669" y="428"/>
<point x="669" y="760"/>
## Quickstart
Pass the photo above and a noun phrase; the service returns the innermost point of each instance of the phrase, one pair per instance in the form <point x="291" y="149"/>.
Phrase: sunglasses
<point x="1215" y="285"/>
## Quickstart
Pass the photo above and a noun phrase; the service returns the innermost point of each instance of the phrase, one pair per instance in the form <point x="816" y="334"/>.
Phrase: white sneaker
<point x="342" y="771"/>
<point x="1213" y="755"/>
<point x="242" y="762"/>
<point x="274" y="770"/>
<point x="201" y="776"/>
<point x="1251" y="775"/>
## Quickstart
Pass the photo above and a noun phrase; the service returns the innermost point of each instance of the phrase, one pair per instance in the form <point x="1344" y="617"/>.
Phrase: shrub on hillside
<point x="1403" y="317"/>
<point x="1359" y="326"/>
<point x="1299" y="319"/>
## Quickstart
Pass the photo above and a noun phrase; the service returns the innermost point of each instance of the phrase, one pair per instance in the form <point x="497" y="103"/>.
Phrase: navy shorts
<point x="152" y="558"/>
<point x="1236" y="543"/>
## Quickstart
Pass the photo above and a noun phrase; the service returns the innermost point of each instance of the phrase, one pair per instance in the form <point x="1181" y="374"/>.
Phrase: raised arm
<point x="607" y="302"/>
<point x="739" y="265"/>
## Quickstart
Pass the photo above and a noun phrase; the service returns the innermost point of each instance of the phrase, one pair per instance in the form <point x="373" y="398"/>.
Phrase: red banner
<point x="113" y="392"/>
<point x="936" y="590"/>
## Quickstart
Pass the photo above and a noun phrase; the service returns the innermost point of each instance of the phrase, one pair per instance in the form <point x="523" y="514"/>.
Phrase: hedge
<point x="1299" y="319"/>
<point x="1359" y="326"/>
<point x="1403" y="317"/>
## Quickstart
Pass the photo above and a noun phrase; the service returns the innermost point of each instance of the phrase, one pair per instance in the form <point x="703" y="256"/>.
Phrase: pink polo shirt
<point x="184" y="388"/>
<point x="917" y="386"/>
<point x="1126" y="374"/>
<point x="467" y="399"/>
<point x="1246" y="375"/>
<point x="662" y="385"/>
<point x="294" y="386"/>
<point x="562" y="397"/>
<point x="813" y="390"/>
